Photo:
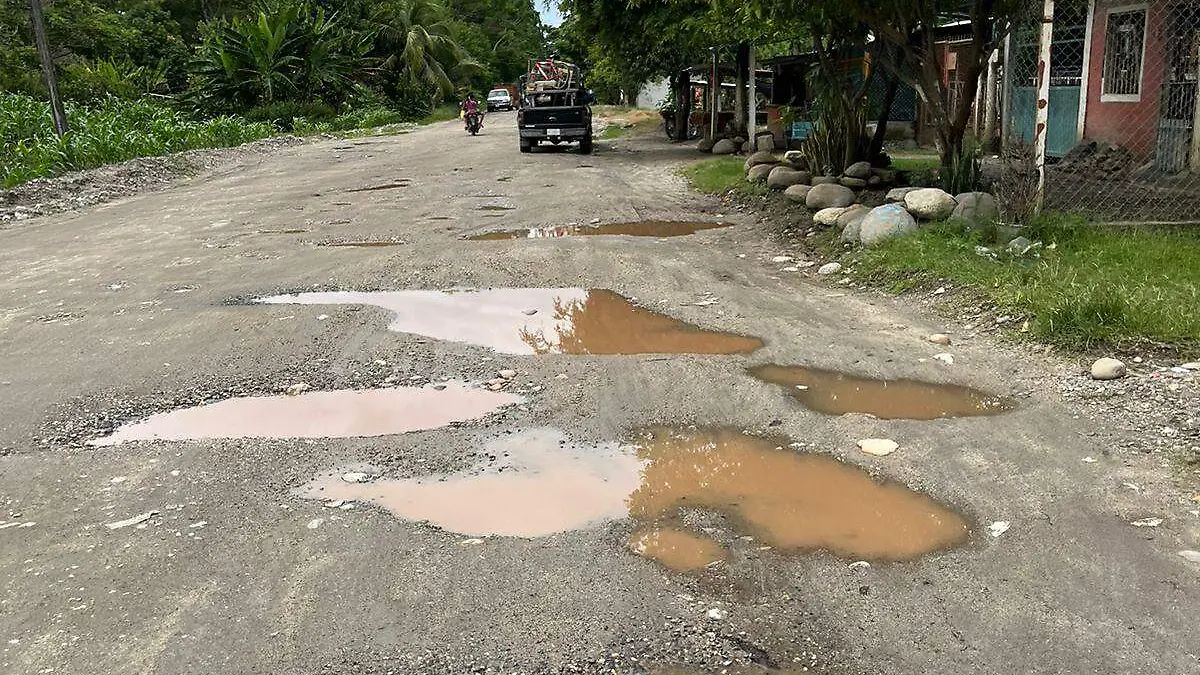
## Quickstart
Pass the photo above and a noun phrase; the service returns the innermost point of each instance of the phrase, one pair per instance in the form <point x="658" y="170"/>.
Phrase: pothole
<point x="363" y="244"/>
<point x="536" y="321"/>
<point x="386" y="186"/>
<point x="647" y="228"/>
<point x="342" y="413"/>
<point x="538" y="483"/>
<point x="836" y="393"/>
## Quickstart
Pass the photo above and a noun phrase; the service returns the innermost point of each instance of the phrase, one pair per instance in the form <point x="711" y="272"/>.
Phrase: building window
<point x="1124" y="52"/>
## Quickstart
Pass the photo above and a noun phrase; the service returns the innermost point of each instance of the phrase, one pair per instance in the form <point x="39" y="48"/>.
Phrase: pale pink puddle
<point x="319" y="414"/>
<point x="544" y="486"/>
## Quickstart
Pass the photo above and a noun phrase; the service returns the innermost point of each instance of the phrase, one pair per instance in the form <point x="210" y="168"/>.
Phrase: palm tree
<point x="417" y="45"/>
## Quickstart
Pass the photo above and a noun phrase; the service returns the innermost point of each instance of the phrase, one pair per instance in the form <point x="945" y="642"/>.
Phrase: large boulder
<point x="798" y="193"/>
<point x="828" y="217"/>
<point x="758" y="174"/>
<point x="747" y="148"/>
<point x="874" y="181"/>
<point x="976" y="208"/>
<point x="782" y="177"/>
<point x="898" y="194"/>
<point x="851" y="233"/>
<point x="852" y="216"/>
<point x="885" y="222"/>
<point x="884" y="175"/>
<point x="861" y="170"/>
<point x="764" y="143"/>
<point x="853" y="183"/>
<point x="930" y="203"/>
<point x="705" y="144"/>
<point x="761" y="158"/>
<point x="724" y="146"/>
<point x="829" y="195"/>
<point x="796" y="160"/>
<point x="824" y="180"/>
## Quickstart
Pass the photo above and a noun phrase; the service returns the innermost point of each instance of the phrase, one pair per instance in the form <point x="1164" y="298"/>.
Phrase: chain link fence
<point x="1122" y="136"/>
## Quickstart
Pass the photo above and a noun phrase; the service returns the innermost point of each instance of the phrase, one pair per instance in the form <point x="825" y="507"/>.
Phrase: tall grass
<point x="1094" y="287"/>
<point x="113" y="130"/>
<point x="720" y="175"/>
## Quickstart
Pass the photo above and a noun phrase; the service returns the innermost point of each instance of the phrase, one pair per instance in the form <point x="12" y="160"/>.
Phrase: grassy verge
<point x="112" y="131"/>
<point x="443" y="113"/>
<point x="722" y="175"/>
<point x="1088" y="287"/>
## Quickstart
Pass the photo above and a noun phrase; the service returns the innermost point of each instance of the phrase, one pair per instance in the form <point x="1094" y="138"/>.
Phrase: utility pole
<point x="43" y="47"/>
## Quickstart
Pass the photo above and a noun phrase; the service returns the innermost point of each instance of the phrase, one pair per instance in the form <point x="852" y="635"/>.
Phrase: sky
<point x="549" y="12"/>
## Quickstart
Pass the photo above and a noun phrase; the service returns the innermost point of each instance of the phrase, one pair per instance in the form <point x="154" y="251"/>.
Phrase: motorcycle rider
<point x="470" y="107"/>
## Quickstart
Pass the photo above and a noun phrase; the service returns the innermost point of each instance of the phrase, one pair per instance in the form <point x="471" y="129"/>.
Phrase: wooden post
<point x="743" y="58"/>
<point x="752" y="104"/>
<point x="1194" y="155"/>
<point x="43" y="47"/>
<point x="1043" y="102"/>
<point x="989" y="103"/>
<point x="714" y="94"/>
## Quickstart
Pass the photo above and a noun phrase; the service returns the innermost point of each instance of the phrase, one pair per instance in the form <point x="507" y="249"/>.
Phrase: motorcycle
<point x="474" y="123"/>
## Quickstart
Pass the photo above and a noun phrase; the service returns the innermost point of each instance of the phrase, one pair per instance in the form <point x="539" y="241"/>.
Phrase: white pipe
<point x="752" y="105"/>
<point x="1042" y="122"/>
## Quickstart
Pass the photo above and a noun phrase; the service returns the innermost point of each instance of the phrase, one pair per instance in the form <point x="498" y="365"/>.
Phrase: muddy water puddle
<point x="318" y="414"/>
<point x="385" y="186"/>
<point x="835" y="393"/>
<point x="648" y="228"/>
<point x="533" y="321"/>
<point x="543" y="484"/>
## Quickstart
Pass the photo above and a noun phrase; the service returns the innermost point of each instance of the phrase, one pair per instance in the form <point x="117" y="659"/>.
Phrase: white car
<point x="499" y="99"/>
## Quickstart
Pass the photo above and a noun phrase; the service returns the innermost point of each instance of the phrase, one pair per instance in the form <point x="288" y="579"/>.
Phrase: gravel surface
<point x="117" y="311"/>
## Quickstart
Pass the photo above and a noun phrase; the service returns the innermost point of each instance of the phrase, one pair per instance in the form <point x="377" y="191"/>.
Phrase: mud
<point x="343" y="413"/>
<point x="648" y="228"/>
<point x="536" y="321"/>
<point x="677" y="550"/>
<point x="836" y="393"/>
<point x="793" y="502"/>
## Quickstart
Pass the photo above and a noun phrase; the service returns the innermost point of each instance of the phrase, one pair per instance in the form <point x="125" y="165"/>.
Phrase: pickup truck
<point x="555" y="107"/>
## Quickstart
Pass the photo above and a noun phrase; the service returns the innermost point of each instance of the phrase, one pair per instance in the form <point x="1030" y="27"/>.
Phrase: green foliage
<point x="1095" y="287"/>
<point x="353" y="120"/>
<point x="282" y="53"/>
<point x="110" y="131"/>
<point x="965" y="173"/>
<point x="720" y="175"/>
<point x="88" y="81"/>
<point x="285" y="114"/>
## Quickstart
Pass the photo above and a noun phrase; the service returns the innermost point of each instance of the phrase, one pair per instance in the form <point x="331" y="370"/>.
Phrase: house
<point x="1121" y="73"/>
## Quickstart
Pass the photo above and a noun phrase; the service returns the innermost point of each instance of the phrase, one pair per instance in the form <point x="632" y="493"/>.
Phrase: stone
<point x="998" y="528"/>
<point x="765" y="143"/>
<point x="880" y="447"/>
<point x="939" y="339"/>
<point x="705" y="144"/>
<point x="507" y="374"/>
<point x="947" y="359"/>
<point x="1019" y="245"/>
<point x="828" y="195"/>
<point x="855" y="183"/>
<point x="747" y="148"/>
<point x="782" y="259"/>
<point x="884" y="175"/>
<point x="851" y="234"/>
<point x="1108" y="369"/>
<point x="898" y="194"/>
<point x="758" y="174"/>
<point x="717" y="614"/>
<point x="297" y="389"/>
<point x="874" y="181"/>
<point x="797" y="193"/>
<point x="724" y="147"/>
<point x="796" y="160"/>
<point x="355" y="477"/>
<point x="739" y="141"/>
<point x="824" y="180"/>
<point x="885" y="222"/>
<point x="828" y="217"/>
<point x="930" y="203"/>
<point x="761" y="158"/>
<point x="861" y="170"/>
<point x="829" y="268"/>
<point x="781" y="178"/>
<point x="852" y="215"/>
<point x="976" y="208"/>
<point x="1190" y="556"/>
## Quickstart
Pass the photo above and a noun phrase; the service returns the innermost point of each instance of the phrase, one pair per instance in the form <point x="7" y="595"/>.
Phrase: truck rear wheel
<point x="526" y="146"/>
<point x="585" y="146"/>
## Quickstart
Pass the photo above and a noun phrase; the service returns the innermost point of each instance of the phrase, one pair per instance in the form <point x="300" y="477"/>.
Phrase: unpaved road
<point x="138" y="306"/>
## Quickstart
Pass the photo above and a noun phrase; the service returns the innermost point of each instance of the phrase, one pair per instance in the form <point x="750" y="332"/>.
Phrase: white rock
<point x="828" y="217"/>
<point x="1190" y="556"/>
<point x="315" y="523"/>
<point x="507" y="374"/>
<point x="830" y="268"/>
<point x="781" y="259"/>
<point x="1108" y="369"/>
<point x="947" y="359"/>
<point x="930" y="203"/>
<point x="135" y="520"/>
<point x="939" y="339"/>
<point x="999" y="527"/>
<point x="355" y="477"/>
<point x="716" y="614"/>
<point x="880" y="447"/>
<point x="859" y="565"/>
<point x="529" y="312"/>
<point x="1147" y="522"/>
<point x="297" y="389"/>
<point x="1191" y="366"/>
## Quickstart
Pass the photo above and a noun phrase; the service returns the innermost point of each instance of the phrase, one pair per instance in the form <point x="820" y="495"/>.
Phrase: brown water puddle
<point x="793" y="502"/>
<point x="648" y="228"/>
<point x="835" y="393"/>
<point x="542" y="484"/>
<point x="318" y="414"/>
<point x="537" y="321"/>
<point x="675" y="549"/>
